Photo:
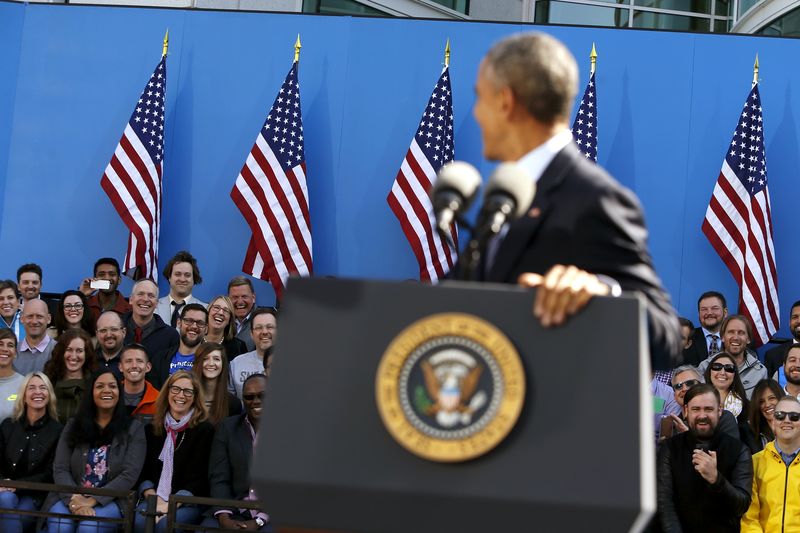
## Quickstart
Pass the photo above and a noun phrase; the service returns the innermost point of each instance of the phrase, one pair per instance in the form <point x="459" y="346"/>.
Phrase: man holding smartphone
<point x="101" y="290"/>
<point x="704" y="476"/>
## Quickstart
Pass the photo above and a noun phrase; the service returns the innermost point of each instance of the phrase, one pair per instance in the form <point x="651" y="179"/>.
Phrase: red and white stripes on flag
<point x="272" y="195"/>
<point x="431" y="147"/>
<point x="132" y="180"/>
<point x="738" y="222"/>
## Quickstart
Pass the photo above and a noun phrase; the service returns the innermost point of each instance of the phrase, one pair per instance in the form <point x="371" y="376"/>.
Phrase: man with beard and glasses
<point x="791" y="369"/>
<point x="192" y="326"/>
<point x="110" y="339"/>
<point x="736" y="335"/>
<point x="706" y="339"/>
<point x="776" y="475"/>
<point x="774" y="357"/>
<point x="704" y="476"/>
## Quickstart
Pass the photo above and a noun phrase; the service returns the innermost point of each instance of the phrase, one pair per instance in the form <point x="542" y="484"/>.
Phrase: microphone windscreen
<point x="512" y="180"/>
<point x="460" y="177"/>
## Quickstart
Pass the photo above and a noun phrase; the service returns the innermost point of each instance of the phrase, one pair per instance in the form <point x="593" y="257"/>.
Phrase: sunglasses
<point x="729" y="368"/>
<point x="793" y="415"/>
<point x="252" y="397"/>
<point x="688" y="383"/>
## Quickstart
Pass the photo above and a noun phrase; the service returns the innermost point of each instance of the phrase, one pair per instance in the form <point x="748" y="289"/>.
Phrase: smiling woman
<point x="72" y="312"/>
<point x="211" y="370"/>
<point x="70" y="364"/>
<point x="723" y="374"/>
<point x="10" y="380"/>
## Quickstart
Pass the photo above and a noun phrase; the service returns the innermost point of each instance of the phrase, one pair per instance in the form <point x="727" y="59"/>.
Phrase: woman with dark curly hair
<point x="72" y="312"/>
<point x="69" y="365"/>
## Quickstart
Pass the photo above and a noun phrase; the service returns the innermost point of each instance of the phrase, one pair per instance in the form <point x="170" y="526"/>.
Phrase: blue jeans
<point x="13" y="523"/>
<point x="85" y="525"/>
<point x="185" y="514"/>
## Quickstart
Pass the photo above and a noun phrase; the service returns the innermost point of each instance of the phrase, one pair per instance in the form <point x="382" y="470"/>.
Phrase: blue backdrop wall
<point x="69" y="75"/>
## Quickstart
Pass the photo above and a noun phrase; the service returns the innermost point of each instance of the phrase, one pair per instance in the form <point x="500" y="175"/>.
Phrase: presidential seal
<point x="450" y="387"/>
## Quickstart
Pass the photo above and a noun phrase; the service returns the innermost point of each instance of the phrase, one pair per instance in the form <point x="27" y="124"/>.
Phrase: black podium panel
<point x="578" y="459"/>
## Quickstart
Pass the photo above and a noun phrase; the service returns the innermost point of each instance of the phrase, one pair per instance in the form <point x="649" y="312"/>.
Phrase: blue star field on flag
<point x="746" y="156"/>
<point x="584" y="129"/>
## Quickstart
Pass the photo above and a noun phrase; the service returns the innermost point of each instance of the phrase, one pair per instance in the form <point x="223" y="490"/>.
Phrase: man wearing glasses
<point x="704" y="476"/>
<point x="263" y="328"/>
<point x="110" y="339"/>
<point x="192" y="326"/>
<point x="776" y="475"/>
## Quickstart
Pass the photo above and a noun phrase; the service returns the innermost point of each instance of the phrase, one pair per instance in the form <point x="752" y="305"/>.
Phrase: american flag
<point x="738" y="222"/>
<point x="132" y="180"/>
<point x="431" y="147"/>
<point x="271" y="193"/>
<point x="584" y="129"/>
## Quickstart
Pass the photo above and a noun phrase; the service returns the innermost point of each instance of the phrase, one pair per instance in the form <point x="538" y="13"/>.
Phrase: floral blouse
<point x="733" y="404"/>
<point x="96" y="473"/>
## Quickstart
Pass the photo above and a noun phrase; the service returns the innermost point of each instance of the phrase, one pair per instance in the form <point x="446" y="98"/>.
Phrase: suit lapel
<point x="524" y="229"/>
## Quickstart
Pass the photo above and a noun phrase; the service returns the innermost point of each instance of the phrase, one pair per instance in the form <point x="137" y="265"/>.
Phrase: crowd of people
<point x="728" y="431"/>
<point x="155" y="395"/>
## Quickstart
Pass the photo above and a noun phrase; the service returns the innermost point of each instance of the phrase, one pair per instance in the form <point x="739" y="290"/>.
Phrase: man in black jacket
<point x="143" y="326"/>
<point x="707" y="339"/>
<point x="704" y="476"/>
<point x="774" y="357"/>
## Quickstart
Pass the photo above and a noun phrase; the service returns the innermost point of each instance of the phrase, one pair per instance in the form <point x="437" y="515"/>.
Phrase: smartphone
<point x="100" y="284"/>
<point x="705" y="446"/>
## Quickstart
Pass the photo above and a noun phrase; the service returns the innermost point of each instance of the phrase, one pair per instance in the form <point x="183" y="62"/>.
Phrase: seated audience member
<point x="9" y="308"/>
<point x="664" y="403"/>
<point x="72" y="362"/>
<point x="34" y="350"/>
<point x="101" y="447"/>
<point x="706" y="339"/>
<point x="182" y="274"/>
<point x="211" y="371"/>
<point x="221" y="327"/>
<point x="684" y="378"/>
<point x="263" y="328"/>
<point x="791" y="371"/>
<point x="10" y="380"/>
<point x="231" y="454"/>
<point x="110" y="299"/>
<point x="29" y="281"/>
<point x="736" y="335"/>
<point x="723" y="374"/>
<point x="687" y="329"/>
<point x="72" y="312"/>
<point x="192" y="326"/>
<point x="110" y="340"/>
<point x="773" y="358"/>
<point x="776" y="476"/>
<point x="178" y="449"/>
<point x="27" y="446"/>
<point x="704" y="476"/>
<point x="143" y="326"/>
<point x="760" y="415"/>
<point x="243" y="297"/>
<point x="138" y="394"/>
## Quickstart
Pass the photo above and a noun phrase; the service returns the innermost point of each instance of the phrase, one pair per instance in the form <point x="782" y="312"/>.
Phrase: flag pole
<point x="166" y="43"/>
<point x="593" y="58"/>
<point x="447" y="53"/>
<point x="297" y="47"/>
<point x="755" y="72"/>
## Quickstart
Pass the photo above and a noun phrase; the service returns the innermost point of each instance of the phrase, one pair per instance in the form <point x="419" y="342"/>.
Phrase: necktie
<point x="175" y="312"/>
<point x="137" y="335"/>
<point x="714" y="347"/>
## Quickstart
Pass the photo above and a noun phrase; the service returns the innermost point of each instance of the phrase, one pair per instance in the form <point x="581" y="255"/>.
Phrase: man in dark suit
<point x="707" y="339"/>
<point x="231" y="453"/>
<point x="774" y="357"/>
<point x="584" y="234"/>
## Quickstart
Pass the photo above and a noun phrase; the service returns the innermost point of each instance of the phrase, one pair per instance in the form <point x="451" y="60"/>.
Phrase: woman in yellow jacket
<point x="775" y="505"/>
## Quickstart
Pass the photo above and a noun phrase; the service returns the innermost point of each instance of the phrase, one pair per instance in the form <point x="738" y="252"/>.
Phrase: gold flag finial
<point x="447" y="53"/>
<point x="755" y="71"/>
<point x="593" y="57"/>
<point x="297" y="47"/>
<point x="166" y="43"/>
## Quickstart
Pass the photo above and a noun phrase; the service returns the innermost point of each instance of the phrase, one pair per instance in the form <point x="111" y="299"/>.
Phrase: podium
<point x="579" y="456"/>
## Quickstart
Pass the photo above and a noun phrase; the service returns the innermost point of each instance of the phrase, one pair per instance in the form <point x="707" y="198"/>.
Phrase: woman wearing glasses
<point x="221" y="327"/>
<point x="27" y="445"/>
<point x="211" y="370"/>
<point x="760" y="416"/>
<point x="72" y="312"/>
<point x="178" y="449"/>
<point x="69" y="365"/>
<point x="723" y="374"/>
<point x="102" y="447"/>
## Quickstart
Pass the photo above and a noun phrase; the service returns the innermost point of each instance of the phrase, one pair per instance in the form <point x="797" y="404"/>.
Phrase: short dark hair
<point x="686" y="322"/>
<point x="712" y="294"/>
<point x="789" y="349"/>
<point x="9" y="284"/>
<point x="183" y="257"/>
<point x="8" y="333"/>
<point x="796" y="304"/>
<point x="253" y="376"/>
<point x="133" y="346"/>
<point x="193" y="307"/>
<point x="262" y="311"/>
<point x="238" y="281"/>
<point x="699" y="389"/>
<point x="106" y="261"/>
<point x="29" y="267"/>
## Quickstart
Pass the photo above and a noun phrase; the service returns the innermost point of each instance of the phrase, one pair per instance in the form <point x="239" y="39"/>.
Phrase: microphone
<point x="508" y="195"/>
<point x="455" y="187"/>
